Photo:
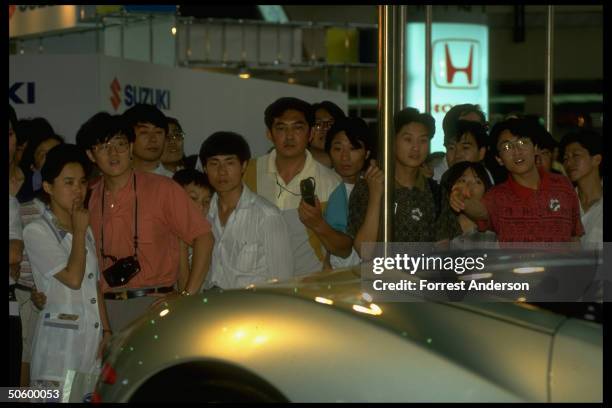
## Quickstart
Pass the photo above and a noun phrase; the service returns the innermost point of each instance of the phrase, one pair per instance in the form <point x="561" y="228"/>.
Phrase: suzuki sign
<point x="459" y="69"/>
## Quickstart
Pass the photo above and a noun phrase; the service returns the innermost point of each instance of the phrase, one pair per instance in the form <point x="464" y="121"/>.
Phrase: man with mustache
<point x="277" y="176"/>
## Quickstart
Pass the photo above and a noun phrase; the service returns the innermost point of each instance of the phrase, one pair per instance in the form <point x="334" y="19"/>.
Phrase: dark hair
<point x="589" y="139"/>
<point x="143" y="113"/>
<point x="474" y="128"/>
<point x="544" y="140"/>
<point x="59" y="156"/>
<point x="187" y="176"/>
<point x="334" y="110"/>
<point x="225" y="143"/>
<point x="357" y="132"/>
<point x="35" y="131"/>
<point x="456" y="171"/>
<point x="518" y="127"/>
<point x="409" y="115"/>
<point x="102" y="127"/>
<point x="452" y="116"/>
<point x="175" y="122"/>
<point x="13" y="118"/>
<point x="279" y="106"/>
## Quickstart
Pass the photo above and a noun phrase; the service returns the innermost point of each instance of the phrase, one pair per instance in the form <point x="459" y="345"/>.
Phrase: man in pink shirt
<point x="143" y="215"/>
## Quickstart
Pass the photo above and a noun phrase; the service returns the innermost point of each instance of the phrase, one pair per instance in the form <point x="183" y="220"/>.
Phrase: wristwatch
<point x="185" y="293"/>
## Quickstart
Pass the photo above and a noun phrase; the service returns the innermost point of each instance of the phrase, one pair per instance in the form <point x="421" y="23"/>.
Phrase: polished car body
<point x="321" y="339"/>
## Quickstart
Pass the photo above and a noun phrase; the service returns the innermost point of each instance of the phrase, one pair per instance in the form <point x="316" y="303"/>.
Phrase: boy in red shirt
<point x="532" y="205"/>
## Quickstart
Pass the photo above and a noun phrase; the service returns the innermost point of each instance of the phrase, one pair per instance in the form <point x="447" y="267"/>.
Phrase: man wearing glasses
<point x="532" y="205"/>
<point x="151" y="128"/>
<point x="141" y="215"/>
<point x="277" y="177"/>
<point x="326" y="114"/>
<point x="173" y="159"/>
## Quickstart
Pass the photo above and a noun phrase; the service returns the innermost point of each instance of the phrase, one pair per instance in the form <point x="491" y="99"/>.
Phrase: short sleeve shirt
<point x="520" y="214"/>
<point x="165" y="215"/>
<point x="414" y="211"/>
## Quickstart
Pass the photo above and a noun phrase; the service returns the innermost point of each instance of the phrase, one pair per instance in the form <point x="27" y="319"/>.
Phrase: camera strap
<point x="113" y="258"/>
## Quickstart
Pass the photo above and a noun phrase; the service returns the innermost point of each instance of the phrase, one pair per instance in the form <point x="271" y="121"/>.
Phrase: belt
<point x="134" y="293"/>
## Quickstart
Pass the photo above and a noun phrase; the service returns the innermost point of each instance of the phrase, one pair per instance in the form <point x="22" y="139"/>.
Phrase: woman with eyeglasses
<point x="326" y="114"/>
<point x="173" y="158"/>
<point x="73" y="325"/>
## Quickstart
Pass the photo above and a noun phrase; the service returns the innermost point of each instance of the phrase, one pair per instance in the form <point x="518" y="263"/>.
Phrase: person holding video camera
<point x="73" y="325"/>
<point x="290" y="177"/>
<point x="137" y="219"/>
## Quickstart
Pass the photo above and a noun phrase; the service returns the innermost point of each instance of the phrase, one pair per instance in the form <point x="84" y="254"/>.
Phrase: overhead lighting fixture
<point x="173" y="30"/>
<point x="291" y="80"/>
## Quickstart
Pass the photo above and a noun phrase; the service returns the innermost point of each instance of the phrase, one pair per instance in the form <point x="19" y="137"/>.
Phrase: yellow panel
<point x="342" y="45"/>
<point x="101" y="10"/>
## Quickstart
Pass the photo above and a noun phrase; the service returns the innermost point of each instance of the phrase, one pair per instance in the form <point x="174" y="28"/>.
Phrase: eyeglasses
<point x="521" y="143"/>
<point x="121" y="146"/>
<point x="323" y="124"/>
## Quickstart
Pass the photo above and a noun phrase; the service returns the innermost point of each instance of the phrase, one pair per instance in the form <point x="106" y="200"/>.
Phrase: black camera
<point x="307" y="188"/>
<point x="122" y="271"/>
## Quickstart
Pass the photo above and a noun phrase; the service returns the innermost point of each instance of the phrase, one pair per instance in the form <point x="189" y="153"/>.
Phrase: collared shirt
<point x="520" y="214"/>
<point x="162" y="171"/>
<point x="336" y="215"/>
<point x="262" y="178"/>
<point x="69" y="328"/>
<point x="414" y="211"/>
<point x="29" y="211"/>
<point x="165" y="214"/>
<point x="592" y="221"/>
<point x="252" y="247"/>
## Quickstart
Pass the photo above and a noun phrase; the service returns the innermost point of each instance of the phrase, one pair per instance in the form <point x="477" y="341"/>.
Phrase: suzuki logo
<point x="30" y="94"/>
<point x="456" y="63"/>
<point x="116" y="96"/>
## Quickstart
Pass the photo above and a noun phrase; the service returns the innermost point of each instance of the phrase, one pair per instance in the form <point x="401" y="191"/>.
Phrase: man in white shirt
<point x="582" y="154"/>
<point x="251" y="238"/>
<point x="151" y="129"/>
<point x="277" y="176"/>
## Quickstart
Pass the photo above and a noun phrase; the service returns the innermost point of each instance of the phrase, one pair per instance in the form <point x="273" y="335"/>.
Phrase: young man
<point x="582" y="154"/>
<point x="416" y="196"/>
<point x="349" y="145"/>
<point x="151" y="128"/>
<point x="276" y="177"/>
<point x="465" y="111"/>
<point x="251" y="238"/>
<point x="134" y="213"/>
<point x="326" y="114"/>
<point x="533" y="205"/>
<point x="173" y="159"/>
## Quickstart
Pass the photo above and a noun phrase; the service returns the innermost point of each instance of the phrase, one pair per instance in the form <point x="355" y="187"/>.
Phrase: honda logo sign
<point x="459" y="69"/>
<point x="456" y="63"/>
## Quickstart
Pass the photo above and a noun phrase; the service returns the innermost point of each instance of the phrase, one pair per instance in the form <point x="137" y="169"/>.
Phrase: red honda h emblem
<point x="451" y="69"/>
<point x="455" y="63"/>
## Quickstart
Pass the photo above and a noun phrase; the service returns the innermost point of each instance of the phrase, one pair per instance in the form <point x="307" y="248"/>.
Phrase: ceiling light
<point x="173" y="30"/>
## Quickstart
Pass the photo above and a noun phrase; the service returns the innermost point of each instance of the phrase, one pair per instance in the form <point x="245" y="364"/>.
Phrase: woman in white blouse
<point x="60" y="246"/>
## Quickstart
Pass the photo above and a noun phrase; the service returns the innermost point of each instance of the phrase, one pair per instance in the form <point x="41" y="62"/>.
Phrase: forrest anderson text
<point x="424" y="284"/>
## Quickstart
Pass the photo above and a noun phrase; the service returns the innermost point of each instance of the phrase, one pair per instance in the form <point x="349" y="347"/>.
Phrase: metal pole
<point x="359" y="92"/>
<point x="388" y="104"/>
<point x="151" y="39"/>
<point x="176" y="42"/>
<point x="121" y="37"/>
<point x="428" y="25"/>
<point x="550" y="26"/>
<point x="401" y="56"/>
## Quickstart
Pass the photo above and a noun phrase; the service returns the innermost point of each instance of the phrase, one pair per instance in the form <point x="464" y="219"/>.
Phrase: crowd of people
<point x="101" y="230"/>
